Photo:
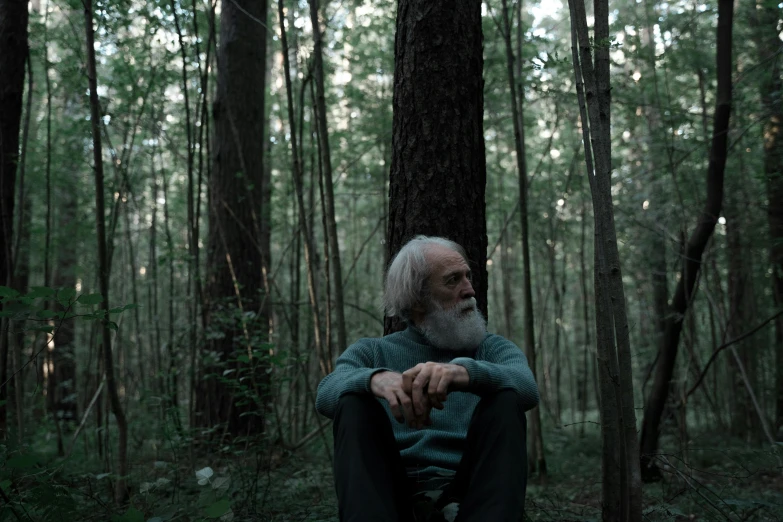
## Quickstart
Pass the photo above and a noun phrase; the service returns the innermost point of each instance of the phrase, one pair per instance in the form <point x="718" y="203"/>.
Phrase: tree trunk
<point x="234" y="287"/>
<point x="326" y="159"/>
<point x="438" y="170"/>
<point x="765" y="22"/>
<point x="13" y="54"/>
<point x="304" y="223"/>
<point x="61" y="381"/>
<point x="120" y="491"/>
<point x="536" y="445"/>
<point x="622" y="499"/>
<point x="683" y="294"/>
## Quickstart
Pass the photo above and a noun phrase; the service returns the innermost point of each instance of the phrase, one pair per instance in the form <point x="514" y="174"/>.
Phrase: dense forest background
<point x="239" y="234"/>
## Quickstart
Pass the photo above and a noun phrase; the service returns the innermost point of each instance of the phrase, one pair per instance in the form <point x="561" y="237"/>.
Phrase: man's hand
<point x="388" y="386"/>
<point x="428" y="384"/>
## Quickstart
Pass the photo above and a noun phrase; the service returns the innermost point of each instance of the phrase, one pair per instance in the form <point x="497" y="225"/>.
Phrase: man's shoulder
<point x="494" y="341"/>
<point x="373" y="344"/>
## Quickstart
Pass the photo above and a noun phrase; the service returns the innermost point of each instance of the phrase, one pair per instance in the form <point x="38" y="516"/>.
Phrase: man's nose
<point x="466" y="292"/>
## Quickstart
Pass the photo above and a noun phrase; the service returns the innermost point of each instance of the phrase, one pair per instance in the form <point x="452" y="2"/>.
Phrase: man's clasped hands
<point x="412" y="394"/>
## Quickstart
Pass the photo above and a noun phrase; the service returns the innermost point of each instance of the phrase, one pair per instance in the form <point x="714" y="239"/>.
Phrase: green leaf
<point x="5" y="484"/>
<point x="132" y="515"/>
<point x="218" y="509"/>
<point x="40" y="291"/>
<point x="203" y="475"/>
<point x="46" y="314"/>
<point x="8" y="292"/>
<point x="64" y="295"/>
<point x="130" y="306"/>
<point x="111" y="325"/>
<point x="90" y="299"/>
<point x="47" y="328"/>
<point x="22" y="461"/>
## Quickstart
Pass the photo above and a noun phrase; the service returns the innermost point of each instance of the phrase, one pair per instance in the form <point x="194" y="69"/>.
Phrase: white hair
<point x="406" y="279"/>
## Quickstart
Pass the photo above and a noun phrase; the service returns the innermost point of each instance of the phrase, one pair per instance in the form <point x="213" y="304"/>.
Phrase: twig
<point x="84" y="417"/>
<point x="307" y="438"/>
<point x="726" y="345"/>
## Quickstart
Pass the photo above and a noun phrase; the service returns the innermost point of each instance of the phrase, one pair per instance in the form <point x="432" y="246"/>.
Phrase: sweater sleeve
<point x="352" y="373"/>
<point x="500" y="365"/>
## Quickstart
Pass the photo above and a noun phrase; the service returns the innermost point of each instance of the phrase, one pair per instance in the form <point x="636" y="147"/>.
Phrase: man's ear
<point x="418" y="311"/>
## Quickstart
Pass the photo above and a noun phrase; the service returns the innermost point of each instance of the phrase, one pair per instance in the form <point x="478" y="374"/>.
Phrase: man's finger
<point x="442" y="390"/>
<point x="394" y="406"/>
<point x="424" y="419"/>
<point x="407" y="378"/>
<point x="407" y="406"/>
<point x="432" y="389"/>
<point x="419" y="384"/>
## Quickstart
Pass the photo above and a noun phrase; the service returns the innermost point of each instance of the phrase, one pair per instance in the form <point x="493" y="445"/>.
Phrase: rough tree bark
<point x="622" y="495"/>
<point x="13" y="55"/>
<point x="234" y="287"/>
<point x="537" y="462"/>
<point x="438" y="168"/>
<point x="120" y="489"/>
<point x="694" y="249"/>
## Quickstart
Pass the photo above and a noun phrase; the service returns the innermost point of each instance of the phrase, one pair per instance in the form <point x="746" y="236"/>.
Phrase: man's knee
<point x="358" y="409"/>
<point x="505" y="404"/>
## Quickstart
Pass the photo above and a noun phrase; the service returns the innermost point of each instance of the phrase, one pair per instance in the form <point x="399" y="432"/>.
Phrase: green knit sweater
<point x="497" y="364"/>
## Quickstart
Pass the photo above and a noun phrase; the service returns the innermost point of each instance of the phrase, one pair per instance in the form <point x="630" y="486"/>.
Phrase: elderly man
<point x="442" y="400"/>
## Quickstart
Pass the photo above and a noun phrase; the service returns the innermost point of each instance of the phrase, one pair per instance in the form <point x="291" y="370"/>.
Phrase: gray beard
<point x="452" y="329"/>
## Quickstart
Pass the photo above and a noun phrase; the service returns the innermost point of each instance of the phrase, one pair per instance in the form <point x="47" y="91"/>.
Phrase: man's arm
<point x="500" y="365"/>
<point x="352" y="373"/>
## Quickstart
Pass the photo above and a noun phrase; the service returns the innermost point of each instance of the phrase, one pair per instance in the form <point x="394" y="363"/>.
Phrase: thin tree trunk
<point x="622" y="497"/>
<point x="304" y="224"/>
<point x="120" y="492"/>
<point x="172" y="378"/>
<point x="683" y="294"/>
<point x="323" y="142"/>
<point x="538" y="460"/>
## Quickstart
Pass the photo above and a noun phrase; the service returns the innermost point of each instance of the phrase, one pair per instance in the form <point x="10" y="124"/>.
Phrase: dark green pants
<point x="372" y="484"/>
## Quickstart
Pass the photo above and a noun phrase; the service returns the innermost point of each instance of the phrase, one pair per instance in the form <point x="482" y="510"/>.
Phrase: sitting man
<point x="442" y="398"/>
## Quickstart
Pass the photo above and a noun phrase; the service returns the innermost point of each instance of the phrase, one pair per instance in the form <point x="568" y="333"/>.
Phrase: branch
<point x="728" y="344"/>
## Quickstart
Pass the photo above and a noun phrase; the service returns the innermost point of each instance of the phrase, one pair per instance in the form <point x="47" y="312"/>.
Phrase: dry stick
<point x="728" y="344"/>
<point x="8" y="503"/>
<point x="760" y="413"/>
<point x="84" y="417"/>
<point x="304" y="440"/>
<point x="694" y="488"/>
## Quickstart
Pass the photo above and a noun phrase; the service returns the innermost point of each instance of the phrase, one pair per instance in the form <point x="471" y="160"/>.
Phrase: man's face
<point x="449" y="282"/>
<point x="451" y="320"/>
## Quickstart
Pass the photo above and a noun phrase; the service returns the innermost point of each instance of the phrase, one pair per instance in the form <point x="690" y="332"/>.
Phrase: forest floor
<point x="721" y="479"/>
